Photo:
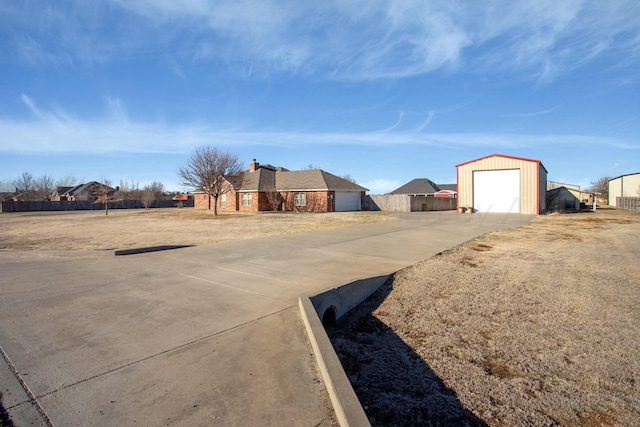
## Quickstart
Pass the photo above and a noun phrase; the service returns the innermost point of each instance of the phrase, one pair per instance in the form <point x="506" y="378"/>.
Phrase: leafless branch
<point x="208" y="170"/>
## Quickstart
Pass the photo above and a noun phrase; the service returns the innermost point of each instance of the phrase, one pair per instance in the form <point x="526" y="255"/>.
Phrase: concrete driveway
<point x="207" y="335"/>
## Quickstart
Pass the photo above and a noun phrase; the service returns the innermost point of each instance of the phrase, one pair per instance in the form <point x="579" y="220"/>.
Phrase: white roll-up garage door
<point x="348" y="201"/>
<point x="497" y="191"/>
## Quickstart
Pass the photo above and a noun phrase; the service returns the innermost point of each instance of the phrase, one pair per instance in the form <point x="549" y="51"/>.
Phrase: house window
<point x="300" y="199"/>
<point x="246" y="199"/>
<point x="223" y="200"/>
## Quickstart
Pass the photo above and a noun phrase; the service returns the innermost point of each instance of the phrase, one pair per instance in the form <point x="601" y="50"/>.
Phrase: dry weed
<point x="538" y="325"/>
<point x="123" y="229"/>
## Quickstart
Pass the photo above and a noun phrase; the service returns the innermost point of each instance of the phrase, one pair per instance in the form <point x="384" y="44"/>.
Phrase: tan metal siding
<point x="615" y="190"/>
<point x="465" y="180"/>
<point x="532" y="183"/>
<point x="624" y="186"/>
<point x="631" y="185"/>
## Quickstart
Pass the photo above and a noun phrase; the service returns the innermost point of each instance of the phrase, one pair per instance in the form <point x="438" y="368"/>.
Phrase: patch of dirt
<point x="538" y="325"/>
<point x="124" y="229"/>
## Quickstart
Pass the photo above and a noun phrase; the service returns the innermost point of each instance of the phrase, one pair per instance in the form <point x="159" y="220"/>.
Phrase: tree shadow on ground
<point x="394" y="385"/>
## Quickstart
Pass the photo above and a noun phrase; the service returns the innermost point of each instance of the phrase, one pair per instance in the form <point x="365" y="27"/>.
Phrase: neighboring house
<point x="448" y="187"/>
<point x="8" y="197"/>
<point x="89" y="191"/>
<point x="426" y="188"/>
<point x="624" y="186"/>
<point x="499" y="183"/>
<point x="448" y="191"/>
<point x="446" y="194"/>
<point x="417" y="187"/>
<point x="270" y="188"/>
<point x="417" y="195"/>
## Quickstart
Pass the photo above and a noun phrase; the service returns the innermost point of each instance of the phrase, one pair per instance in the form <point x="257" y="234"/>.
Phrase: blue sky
<point x="382" y="91"/>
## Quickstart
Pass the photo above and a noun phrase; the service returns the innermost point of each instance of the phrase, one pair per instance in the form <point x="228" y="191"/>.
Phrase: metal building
<point x="624" y="186"/>
<point x="505" y="184"/>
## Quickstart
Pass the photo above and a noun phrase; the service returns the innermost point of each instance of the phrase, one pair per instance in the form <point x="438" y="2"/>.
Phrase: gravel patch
<point x="538" y="325"/>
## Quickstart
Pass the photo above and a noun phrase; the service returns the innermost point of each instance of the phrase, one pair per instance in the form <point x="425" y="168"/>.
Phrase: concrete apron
<point x="198" y="335"/>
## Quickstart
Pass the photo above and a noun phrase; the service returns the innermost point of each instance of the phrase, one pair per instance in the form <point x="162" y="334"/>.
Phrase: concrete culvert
<point x="329" y="317"/>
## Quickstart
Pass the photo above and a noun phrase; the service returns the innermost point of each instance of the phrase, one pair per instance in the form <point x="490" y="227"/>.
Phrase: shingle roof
<point x="417" y="186"/>
<point x="450" y="187"/>
<point x="267" y="177"/>
<point x="90" y="189"/>
<point x="314" y="179"/>
<point x="63" y="190"/>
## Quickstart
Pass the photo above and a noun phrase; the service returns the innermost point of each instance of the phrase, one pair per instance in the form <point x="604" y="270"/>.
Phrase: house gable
<point x="89" y="191"/>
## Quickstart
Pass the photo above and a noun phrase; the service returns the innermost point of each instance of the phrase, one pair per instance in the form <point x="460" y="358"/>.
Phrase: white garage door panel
<point x="497" y="191"/>
<point x="347" y="202"/>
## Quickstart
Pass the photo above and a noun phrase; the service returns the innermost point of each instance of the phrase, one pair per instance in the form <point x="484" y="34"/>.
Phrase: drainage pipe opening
<point x="329" y="317"/>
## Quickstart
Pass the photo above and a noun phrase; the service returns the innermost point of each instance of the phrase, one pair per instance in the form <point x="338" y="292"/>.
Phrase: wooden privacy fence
<point x="405" y="203"/>
<point x="86" y="205"/>
<point x="628" y="203"/>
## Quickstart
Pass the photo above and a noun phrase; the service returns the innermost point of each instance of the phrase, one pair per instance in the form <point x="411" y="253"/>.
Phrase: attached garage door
<point x="347" y="201"/>
<point x="497" y="191"/>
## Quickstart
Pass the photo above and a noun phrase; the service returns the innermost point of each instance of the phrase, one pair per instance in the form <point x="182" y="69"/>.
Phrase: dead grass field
<point x="125" y="229"/>
<point x="538" y="325"/>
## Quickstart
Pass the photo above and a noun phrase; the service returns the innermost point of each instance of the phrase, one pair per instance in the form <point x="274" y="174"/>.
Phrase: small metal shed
<point x="502" y="184"/>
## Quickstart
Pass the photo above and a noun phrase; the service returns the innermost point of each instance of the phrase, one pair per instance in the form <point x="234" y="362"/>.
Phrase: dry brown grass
<point x="538" y="325"/>
<point x="124" y="229"/>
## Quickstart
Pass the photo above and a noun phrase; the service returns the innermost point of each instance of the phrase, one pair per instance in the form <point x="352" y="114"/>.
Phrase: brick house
<point x="89" y="191"/>
<point x="270" y="188"/>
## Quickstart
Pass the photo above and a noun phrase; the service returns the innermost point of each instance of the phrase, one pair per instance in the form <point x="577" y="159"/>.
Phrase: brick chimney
<point x="253" y="166"/>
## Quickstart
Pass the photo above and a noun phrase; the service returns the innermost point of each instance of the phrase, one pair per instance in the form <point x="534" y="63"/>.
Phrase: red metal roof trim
<point x="506" y="157"/>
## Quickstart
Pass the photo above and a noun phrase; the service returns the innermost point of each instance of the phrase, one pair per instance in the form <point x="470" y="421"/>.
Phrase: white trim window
<point x="246" y="199"/>
<point x="300" y="199"/>
<point x="223" y="200"/>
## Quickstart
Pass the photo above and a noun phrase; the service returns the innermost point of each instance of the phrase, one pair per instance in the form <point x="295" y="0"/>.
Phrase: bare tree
<point x="601" y="185"/>
<point x="157" y="189"/>
<point x="105" y="194"/>
<point x="151" y="192"/>
<point x="67" y="181"/>
<point x="311" y="166"/>
<point x="25" y="186"/>
<point x="130" y="191"/>
<point x="274" y="198"/>
<point x="207" y="171"/>
<point x="147" y="197"/>
<point x="7" y="187"/>
<point x="44" y="187"/>
<point x="349" y="178"/>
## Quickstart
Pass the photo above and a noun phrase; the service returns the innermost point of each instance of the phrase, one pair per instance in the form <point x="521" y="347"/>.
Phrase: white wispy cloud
<point x="353" y="40"/>
<point x="533" y="113"/>
<point x="59" y="132"/>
